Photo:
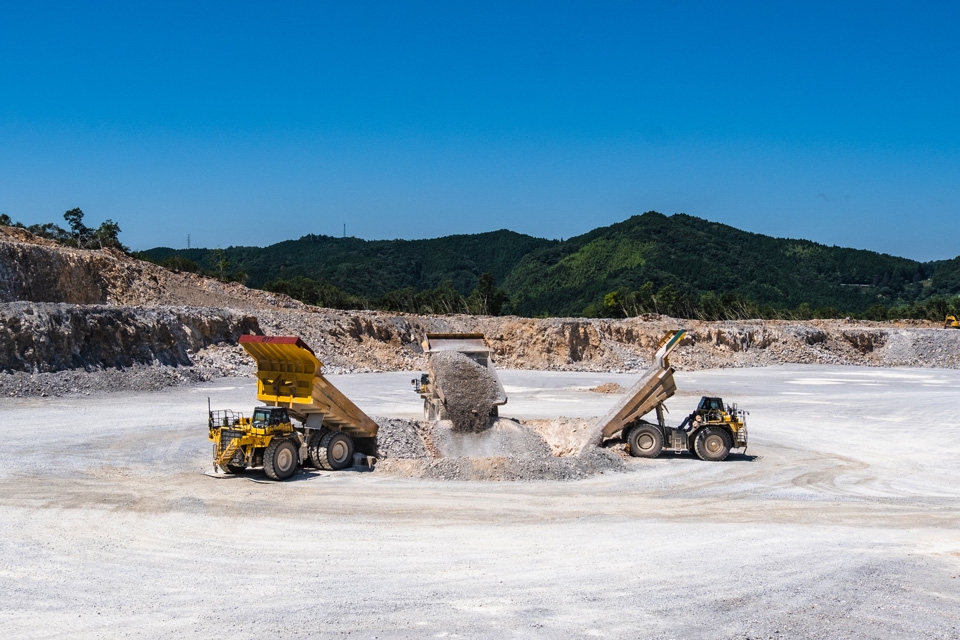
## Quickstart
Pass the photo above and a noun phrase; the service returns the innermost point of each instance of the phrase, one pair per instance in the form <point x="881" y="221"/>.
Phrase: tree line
<point x="78" y="234"/>
<point x="685" y="265"/>
<point x="485" y="299"/>
<point x="710" y="306"/>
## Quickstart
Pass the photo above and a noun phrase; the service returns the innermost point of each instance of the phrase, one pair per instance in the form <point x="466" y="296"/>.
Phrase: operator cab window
<point x="711" y="404"/>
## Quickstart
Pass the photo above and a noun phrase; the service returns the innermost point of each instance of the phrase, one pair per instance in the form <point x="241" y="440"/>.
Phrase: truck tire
<point x="233" y="468"/>
<point x="280" y="459"/>
<point x="313" y="448"/>
<point x="646" y="441"/>
<point x="712" y="444"/>
<point x="334" y="451"/>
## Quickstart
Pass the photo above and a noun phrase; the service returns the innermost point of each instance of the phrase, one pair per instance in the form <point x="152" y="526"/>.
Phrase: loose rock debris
<point x="470" y="390"/>
<point x="507" y="451"/>
<point x="609" y="387"/>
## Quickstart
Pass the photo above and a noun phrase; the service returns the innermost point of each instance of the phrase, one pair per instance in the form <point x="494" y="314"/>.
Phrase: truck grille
<point x="226" y="435"/>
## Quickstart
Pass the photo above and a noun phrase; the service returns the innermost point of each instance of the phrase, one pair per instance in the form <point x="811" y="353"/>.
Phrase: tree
<point x="50" y="231"/>
<point x="106" y="235"/>
<point x="5" y="220"/>
<point x="179" y="263"/>
<point x="613" y="306"/>
<point x="486" y="299"/>
<point x="81" y="233"/>
<point x="221" y="263"/>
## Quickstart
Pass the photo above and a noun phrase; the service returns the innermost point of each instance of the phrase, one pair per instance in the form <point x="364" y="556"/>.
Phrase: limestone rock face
<point x="45" y="337"/>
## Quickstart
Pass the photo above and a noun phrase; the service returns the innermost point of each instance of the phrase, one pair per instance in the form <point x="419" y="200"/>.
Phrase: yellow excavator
<point x="951" y="323"/>
<point x="306" y="420"/>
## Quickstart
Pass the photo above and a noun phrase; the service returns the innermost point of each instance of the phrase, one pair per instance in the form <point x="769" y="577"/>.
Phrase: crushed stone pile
<point x="507" y="451"/>
<point x="505" y="438"/>
<point x="139" y="377"/>
<point x="468" y="388"/>
<point x="398" y="438"/>
<point x="565" y="436"/>
<point x="590" y="463"/>
<point x="609" y="387"/>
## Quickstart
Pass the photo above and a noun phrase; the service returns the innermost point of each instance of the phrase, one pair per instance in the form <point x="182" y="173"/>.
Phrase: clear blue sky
<point x="250" y="123"/>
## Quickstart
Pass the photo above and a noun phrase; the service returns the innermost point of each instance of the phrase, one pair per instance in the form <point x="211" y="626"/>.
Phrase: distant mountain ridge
<point x="691" y="256"/>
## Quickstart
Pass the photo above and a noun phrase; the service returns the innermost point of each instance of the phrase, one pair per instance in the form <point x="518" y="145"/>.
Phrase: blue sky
<point x="251" y="123"/>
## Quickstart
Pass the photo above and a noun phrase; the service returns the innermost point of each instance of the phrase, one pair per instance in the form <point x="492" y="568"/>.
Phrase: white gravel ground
<point x="842" y="521"/>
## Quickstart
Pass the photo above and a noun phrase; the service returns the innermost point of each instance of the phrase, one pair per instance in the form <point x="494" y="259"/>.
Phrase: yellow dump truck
<point x="951" y="323"/>
<point x="710" y="432"/>
<point x="429" y="385"/>
<point x="327" y="427"/>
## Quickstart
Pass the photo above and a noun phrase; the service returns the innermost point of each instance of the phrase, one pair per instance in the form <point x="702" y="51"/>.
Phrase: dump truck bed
<point x="472" y="345"/>
<point x="655" y="386"/>
<point x="289" y="375"/>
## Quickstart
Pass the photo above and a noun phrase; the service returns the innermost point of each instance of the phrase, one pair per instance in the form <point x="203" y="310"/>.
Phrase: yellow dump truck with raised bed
<point x="709" y="433"/>
<point x="306" y="420"/>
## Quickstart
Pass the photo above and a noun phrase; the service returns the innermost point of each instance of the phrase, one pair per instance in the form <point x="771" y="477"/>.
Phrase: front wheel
<point x="233" y="468"/>
<point x="712" y="444"/>
<point x="645" y="441"/>
<point x="280" y="459"/>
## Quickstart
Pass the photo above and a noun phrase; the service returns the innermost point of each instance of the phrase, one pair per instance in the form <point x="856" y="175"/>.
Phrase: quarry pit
<point x="113" y="529"/>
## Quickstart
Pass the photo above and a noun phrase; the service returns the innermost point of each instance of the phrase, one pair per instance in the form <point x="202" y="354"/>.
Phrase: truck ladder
<point x="227" y="454"/>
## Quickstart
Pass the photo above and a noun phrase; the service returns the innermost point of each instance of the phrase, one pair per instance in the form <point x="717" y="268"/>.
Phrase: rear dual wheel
<point x="434" y="410"/>
<point x="645" y="441"/>
<point x="332" y="450"/>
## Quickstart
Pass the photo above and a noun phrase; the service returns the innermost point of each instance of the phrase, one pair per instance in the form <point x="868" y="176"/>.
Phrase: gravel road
<point x="841" y="521"/>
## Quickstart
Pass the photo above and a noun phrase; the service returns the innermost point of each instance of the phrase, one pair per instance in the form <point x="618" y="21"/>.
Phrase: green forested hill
<point x="677" y="264"/>
<point x="372" y="268"/>
<point x="699" y="256"/>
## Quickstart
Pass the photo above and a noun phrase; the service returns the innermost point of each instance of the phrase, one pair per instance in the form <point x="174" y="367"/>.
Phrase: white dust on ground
<point x="838" y="522"/>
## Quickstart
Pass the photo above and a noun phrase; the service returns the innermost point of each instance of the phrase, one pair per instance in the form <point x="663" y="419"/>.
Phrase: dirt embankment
<point x="116" y="311"/>
<point x="38" y="270"/>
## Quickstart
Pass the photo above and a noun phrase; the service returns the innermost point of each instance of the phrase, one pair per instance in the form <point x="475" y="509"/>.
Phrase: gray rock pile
<point x="81" y="382"/>
<point x="398" y="438"/>
<point x="506" y="468"/>
<point x="470" y="390"/>
<point x="505" y="438"/>
<point x="508" y="451"/>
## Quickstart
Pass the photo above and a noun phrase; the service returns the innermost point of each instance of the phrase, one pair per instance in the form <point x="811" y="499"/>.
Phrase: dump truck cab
<point x="270" y="416"/>
<point x="267" y="440"/>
